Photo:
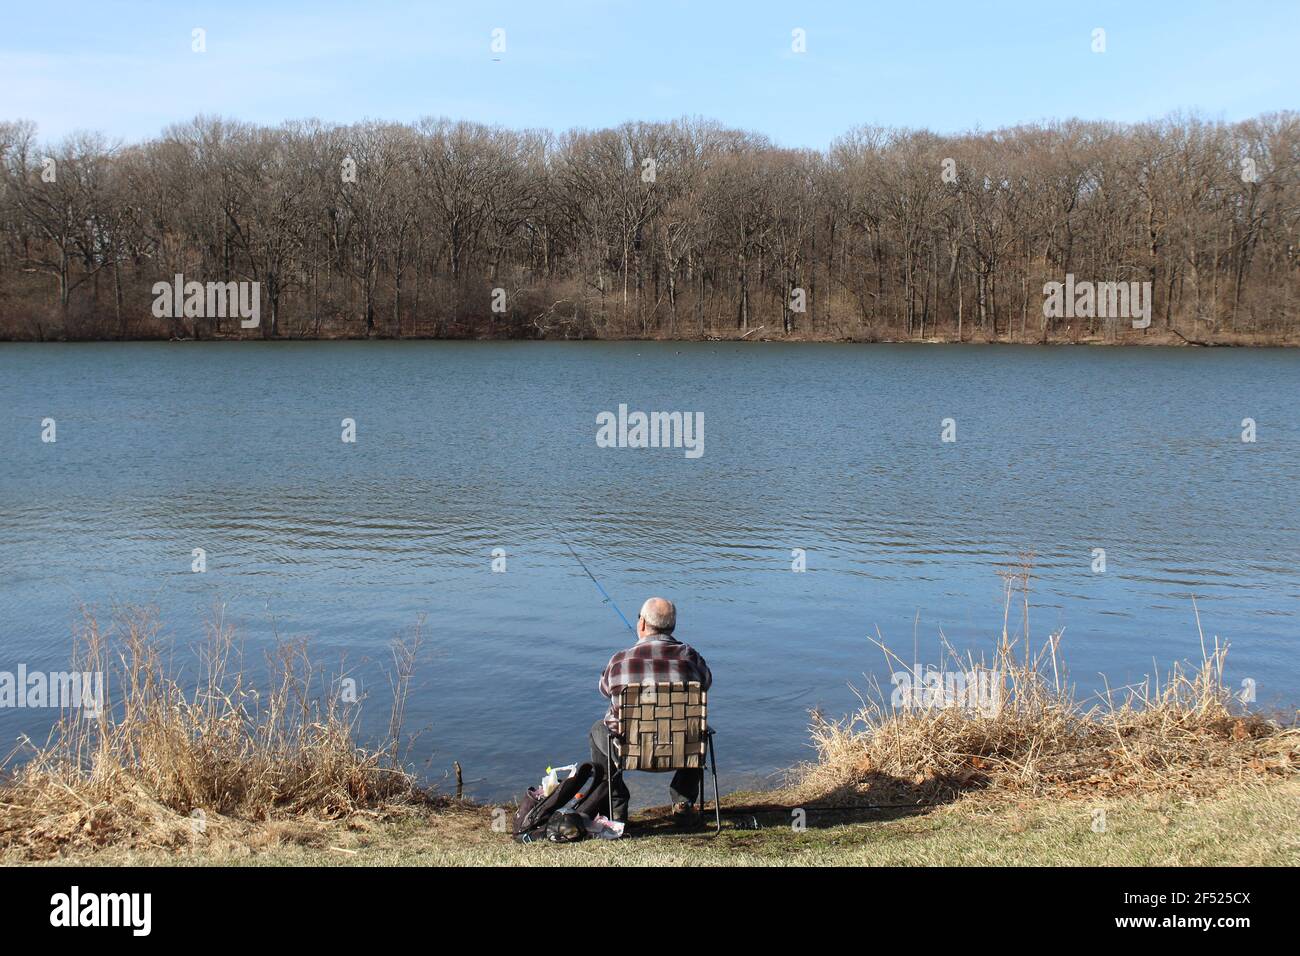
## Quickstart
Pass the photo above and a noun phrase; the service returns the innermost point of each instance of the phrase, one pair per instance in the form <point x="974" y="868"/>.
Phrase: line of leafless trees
<point x="682" y="229"/>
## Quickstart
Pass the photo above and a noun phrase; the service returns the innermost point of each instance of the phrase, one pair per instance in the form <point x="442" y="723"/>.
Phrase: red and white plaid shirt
<point x="658" y="657"/>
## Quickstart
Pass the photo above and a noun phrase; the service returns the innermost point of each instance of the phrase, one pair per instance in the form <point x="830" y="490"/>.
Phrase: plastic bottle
<point x="552" y="778"/>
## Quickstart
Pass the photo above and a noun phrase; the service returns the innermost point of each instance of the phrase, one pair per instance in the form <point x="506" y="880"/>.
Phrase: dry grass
<point x="164" y="767"/>
<point x="1243" y="826"/>
<point x="1185" y="734"/>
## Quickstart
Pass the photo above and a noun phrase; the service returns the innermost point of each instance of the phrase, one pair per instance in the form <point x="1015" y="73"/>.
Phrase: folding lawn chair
<point x="664" y="727"/>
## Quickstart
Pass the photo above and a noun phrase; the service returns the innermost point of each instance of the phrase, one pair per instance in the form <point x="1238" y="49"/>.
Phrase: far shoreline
<point x="1136" y="339"/>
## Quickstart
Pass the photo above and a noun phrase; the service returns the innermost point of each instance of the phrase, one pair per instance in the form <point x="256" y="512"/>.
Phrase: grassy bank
<point x="1252" y="825"/>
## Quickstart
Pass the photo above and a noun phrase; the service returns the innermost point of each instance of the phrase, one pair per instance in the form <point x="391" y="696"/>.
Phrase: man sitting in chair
<point x="657" y="656"/>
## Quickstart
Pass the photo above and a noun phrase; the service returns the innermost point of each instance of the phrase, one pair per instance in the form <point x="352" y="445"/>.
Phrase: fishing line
<point x="604" y="593"/>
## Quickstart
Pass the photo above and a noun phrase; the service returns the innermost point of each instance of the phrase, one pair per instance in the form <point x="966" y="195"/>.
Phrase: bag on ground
<point x="537" y="808"/>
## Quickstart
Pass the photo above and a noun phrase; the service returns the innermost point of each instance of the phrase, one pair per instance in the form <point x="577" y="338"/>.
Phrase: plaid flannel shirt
<point x="660" y="657"/>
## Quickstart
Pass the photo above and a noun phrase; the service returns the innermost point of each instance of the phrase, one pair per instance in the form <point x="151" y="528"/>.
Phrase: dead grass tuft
<point x="1184" y="734"/>
<point x="163" y="767"/>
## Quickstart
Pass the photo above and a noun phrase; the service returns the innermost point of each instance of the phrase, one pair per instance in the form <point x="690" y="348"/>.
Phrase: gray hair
<point x="659" y="615"/>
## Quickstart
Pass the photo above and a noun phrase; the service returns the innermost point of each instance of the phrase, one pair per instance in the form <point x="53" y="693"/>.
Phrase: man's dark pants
<point x="684" y="788"/>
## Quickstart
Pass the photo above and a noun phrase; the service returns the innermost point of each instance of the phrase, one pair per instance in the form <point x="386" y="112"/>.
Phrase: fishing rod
<point x="604" y="593"/>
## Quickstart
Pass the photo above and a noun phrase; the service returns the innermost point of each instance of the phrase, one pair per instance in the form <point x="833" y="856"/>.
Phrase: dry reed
<point x="1186" y="733"/>
<point x="160" y="765"/>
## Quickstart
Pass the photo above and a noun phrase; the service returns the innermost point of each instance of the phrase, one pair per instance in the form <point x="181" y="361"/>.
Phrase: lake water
<point x="463" y="448"/>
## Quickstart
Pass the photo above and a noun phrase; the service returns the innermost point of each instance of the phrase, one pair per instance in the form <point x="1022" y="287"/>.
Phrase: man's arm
<point x="606" y="689"/>
<point x="706" y="675"/>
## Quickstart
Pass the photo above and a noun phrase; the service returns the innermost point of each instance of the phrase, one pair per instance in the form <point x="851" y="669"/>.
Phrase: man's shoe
<point x="685" y="814"/>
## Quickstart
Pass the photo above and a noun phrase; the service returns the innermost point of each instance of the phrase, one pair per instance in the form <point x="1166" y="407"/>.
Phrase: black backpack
<point x="535" y="811"/>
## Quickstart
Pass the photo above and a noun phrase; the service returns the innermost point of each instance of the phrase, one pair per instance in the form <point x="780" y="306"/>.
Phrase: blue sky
<point x="127" y="69"/>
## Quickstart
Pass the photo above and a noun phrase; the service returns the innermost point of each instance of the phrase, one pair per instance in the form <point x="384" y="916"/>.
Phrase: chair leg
<point x="609" y="772"/>
<point x="717" y="798"/>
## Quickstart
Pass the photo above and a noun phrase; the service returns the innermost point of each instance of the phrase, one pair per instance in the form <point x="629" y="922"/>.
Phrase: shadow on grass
<point x="875" y="798"/>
